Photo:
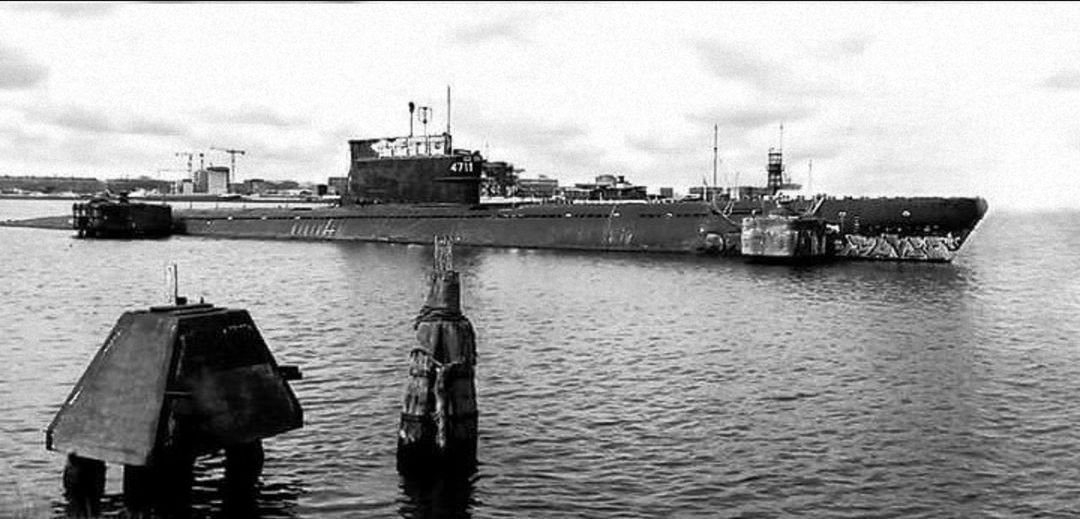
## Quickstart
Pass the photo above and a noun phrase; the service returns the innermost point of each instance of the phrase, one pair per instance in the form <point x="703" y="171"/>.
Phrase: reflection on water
<point x="441" y="493"/>
<point x="609" y="385"/>
<point x="276" y="498"/>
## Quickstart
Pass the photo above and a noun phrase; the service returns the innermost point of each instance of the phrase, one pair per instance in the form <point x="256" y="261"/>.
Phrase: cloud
<point x="67" y="10"/>
<point x="1063" y="80"/>
<point x="814" y="151"/>
<point x="736" y="64"/>
<point x="289" y="154"/>
<point x="746" y="119"/>
<point x="553" y="135"/>
<point x="60" y="154"/>
<point x="16" y="141"/>
<point x="275" y="154"/>
<point x="507" y="29"/>
<point x="848" y="47"/>
<point x="653" y="146"/>
<point x="253" y="115"/>
<point x="17" y="71"/>
<point x="523" y="132"/>
<point x="306" y="150"/>
<point x="579" y="160"/>
<point x="561" y="149"/>
<point x="96" y="121"/>
<point x="151" y="127"/>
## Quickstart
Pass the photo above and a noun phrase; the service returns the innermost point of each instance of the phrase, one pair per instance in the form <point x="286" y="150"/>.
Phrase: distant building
<point x="667" y="193"/>
<point x="200" y="179"/>
<point x="283" y="186"/>
<point x="750" y="191"/>
<point x="212" y="180"/>
<point x="129" y="185"/>
<point x="254" y="186"/>
<point x="337" y="185"/>
<point x="608" y="180"/>
<point x="499" y="178"/>
<point x="708" y="192"/>
<point x="574" y="193"/>
<point x="738" y="192"/>
<point x="540" y="187"/>
<point x="612" y="187"/>
<point x="184" y="187"/>
<point x="14" y="184"/>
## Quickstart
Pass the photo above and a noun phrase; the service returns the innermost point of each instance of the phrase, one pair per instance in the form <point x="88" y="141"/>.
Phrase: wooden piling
<point x="439" y="414"/>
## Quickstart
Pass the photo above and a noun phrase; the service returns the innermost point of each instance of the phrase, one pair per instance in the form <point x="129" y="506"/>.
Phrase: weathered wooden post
<point x="439" y="415"/>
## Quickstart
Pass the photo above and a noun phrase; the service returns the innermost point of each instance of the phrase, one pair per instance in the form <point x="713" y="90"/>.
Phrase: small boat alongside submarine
<point x="104" y="216"/>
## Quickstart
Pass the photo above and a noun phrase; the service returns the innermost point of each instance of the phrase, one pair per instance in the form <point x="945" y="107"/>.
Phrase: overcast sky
<point x="891" y="99"/>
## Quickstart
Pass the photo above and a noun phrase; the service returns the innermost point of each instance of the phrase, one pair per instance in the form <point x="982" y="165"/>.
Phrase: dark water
<point x="610" y="385"/>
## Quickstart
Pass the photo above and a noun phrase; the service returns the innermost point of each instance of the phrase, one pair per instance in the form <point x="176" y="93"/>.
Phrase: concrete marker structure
<point x="169" y="384"/>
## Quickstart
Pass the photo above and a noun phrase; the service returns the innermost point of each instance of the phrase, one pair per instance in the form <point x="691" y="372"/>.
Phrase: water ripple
<point x="614" y="385"/>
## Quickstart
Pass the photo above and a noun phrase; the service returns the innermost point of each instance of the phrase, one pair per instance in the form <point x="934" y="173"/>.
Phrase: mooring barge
<point x="107" y="217"/>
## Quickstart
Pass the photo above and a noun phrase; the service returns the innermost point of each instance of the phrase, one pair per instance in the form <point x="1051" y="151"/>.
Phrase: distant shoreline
<point x="180" y="198"/>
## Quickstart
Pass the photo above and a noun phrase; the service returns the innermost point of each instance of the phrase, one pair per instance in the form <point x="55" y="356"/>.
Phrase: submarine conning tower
<point x="421" y="169"/>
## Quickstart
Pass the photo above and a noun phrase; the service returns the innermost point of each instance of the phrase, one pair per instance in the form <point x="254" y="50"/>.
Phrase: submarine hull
<point x="900" y="229"/>
<point x="633" y="227"/>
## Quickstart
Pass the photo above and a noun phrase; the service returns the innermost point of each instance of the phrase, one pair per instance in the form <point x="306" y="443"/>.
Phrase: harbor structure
<point x="169" y="384"/>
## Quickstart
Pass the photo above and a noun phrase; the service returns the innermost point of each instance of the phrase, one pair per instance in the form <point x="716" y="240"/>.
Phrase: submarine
<point x="411" y="189"/>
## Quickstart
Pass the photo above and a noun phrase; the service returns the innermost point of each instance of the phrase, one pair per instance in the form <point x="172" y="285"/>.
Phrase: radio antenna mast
<point x="715" y="156"/>
<point x="412" y="108"/>
<point x="449" y="145"/>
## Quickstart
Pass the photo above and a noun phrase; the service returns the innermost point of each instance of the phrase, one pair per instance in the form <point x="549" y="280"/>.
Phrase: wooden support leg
<point x="84" y="484"/>
<point x="138" y="491"/>
<point x="243" y="467"/>
<point x="175" y="473"/>
<point x="162" y="489"/>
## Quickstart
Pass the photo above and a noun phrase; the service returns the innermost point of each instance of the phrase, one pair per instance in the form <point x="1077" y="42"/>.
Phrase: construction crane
<point x="232" y="161"/>
<point x="191" y="155"/>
